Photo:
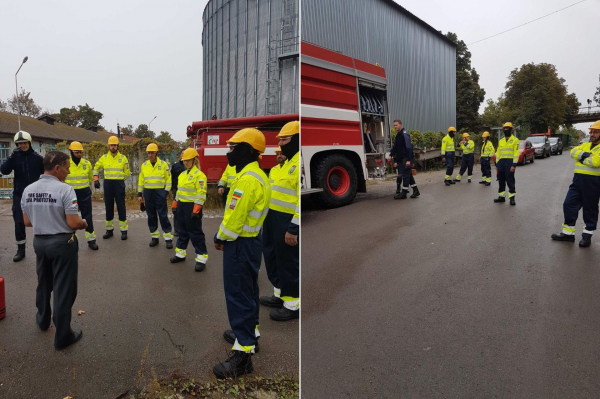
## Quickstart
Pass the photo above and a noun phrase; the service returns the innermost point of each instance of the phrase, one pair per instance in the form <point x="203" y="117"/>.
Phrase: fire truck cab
<point x="210" y="139"/>
<point x="345" y="126"/>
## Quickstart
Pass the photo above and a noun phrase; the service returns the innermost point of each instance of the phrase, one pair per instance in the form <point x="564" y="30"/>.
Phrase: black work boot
<point x="169" y="244"/>
<point x="447" y="182"/>
<point x="229" y="336"/>
<point x="123" y="235"/>
<point x="500" y="199"/>
<point x="452" y="182"/>
<point x="586" y="240"/>
<point x="108" y="234"/>
<point x="482" y="182"/>
<point x="177" y="259"/>
<point x="238" y="364"/>
<point x="284" y="314"/>
<point x="153" y="242"/>
<point x="415" y="193"/>
<point x="402" y="195"/>
<point x="92" y="244"/>
<point x="75" y="336"/>
<point x="200" y="266"/>
<point x="456" y="180"/>
<point x="563" y="237"/>
<point x="20" y="253"/>
<point x="488" y="184"/>
<point x="512" y="201"/>
<point x="469" y="180"/>
<point x="271" y="301"/>
<point x="398" y="188"/>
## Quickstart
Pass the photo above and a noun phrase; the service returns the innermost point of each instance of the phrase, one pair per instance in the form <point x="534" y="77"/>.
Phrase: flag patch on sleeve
<point x="75" y="201"/>
<point x="237" y="193"/>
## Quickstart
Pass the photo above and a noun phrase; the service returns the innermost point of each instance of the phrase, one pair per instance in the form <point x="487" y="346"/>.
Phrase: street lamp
<point x="17" y="93"/>
<point x="150" y="122"/>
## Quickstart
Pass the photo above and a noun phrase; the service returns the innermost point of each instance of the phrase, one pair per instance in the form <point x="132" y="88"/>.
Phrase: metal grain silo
<point x="419" y="61"/>
<point x="250" y="58"/>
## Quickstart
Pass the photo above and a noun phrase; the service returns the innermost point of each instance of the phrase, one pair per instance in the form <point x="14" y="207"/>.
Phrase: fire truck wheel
<point x="337" y="176"/>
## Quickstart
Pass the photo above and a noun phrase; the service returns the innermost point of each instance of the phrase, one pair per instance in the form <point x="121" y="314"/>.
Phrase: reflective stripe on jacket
<point x="469" y="148"/>
<point x="115" y="168"/>
<point x="590" y="165"/>
<point x="447" y="144"/>
<point x="157" y="176"/>
<point x="191" y="186"/>
<point x="80" y="176"/>
<point x="247" y="204"/>
<point x="487" y="149"/>
<point x="508" y="149"/>
<point x="285" y="191"/>
<point x="273" y="173"/>
<point x="227" y="177"/>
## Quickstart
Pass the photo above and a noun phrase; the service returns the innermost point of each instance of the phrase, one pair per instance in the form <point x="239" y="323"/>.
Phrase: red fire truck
<point x="210" y="139"/>
<point x="345" y="126"/>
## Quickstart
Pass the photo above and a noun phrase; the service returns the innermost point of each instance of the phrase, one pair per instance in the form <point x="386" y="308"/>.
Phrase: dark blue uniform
<point x="27" y="167"/>
<point x="403" y="152"/>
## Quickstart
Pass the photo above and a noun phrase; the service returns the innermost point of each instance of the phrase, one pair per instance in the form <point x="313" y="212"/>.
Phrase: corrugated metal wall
<point x="236" y="36"/>
<point x="420" y="66"/>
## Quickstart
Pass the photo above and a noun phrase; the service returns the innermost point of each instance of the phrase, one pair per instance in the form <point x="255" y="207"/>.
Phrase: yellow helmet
<point x="152" y="147"/>
<point x="289" y="129"/>
<point x="113" y="140"/>
<point x="75" y="146"/>
<point x="278" y="150"/>
<point x="252" y="136"/>
<point x="507" y="124"/>
<point x="451" y="129"/>
<point x="485" y="134"/>
<point x="595" y="125"/>
<point x="465" y="135"/>
<point x="189" y="153"/>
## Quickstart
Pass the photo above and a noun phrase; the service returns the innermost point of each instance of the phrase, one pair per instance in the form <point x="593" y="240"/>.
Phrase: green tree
<point x="597" y="94"/>
<point x="28" y="105"/>
<point x="68" y="116"/>
<point x="495" y="113"/>
<point x="3" y="106"/>
<point x="538" y="98"/>
<point x="83" y="116"/>
<point x="127" y="130"/>
<point x="469" y="95"/>
<point x="142" y="132"/>
<point x="164" y="137"/>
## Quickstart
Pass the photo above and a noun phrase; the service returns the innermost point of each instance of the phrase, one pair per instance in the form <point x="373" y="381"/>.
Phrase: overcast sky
<point x="568" y="39"/>
<point x="133" y="60"/>
<point x="130" y="59"/>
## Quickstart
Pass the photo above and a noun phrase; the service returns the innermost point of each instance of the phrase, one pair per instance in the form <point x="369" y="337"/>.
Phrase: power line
<point x="526" y="23"/>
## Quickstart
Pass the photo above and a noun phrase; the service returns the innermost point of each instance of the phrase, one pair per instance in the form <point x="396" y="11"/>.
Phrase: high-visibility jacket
<point x="115" y="168"/>
<point x="273" y="173"/>
<point x="285" y="190"/>
<point x="157" y="176"/>
<point x="590" y="165"/>
<point x="247" y="204"/>
<point x="508" y="149"/>
<point x="447" y="144"/>
<point x="80" y="176"/>
<point x="227" y="177"/>
<point x="191" y="186"/>
<point x="469" y="148"/>
<point x="487" y="149"/>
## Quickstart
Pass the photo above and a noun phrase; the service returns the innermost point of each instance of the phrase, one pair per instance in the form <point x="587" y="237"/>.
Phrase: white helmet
<point x="22" y="137"/>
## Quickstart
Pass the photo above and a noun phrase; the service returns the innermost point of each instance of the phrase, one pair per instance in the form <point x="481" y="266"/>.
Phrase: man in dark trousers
<point x="404" y="157"/>
<point x="176" y="170"/>
<point x="27" y="166"/>
<point x="50" y="207"/>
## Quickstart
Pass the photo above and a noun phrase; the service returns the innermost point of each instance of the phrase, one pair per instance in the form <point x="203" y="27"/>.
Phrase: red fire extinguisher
<point x="2" y="300"/>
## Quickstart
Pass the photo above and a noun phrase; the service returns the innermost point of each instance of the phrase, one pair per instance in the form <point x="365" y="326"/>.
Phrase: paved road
<point x="134" y="300"/>
<point x="450" y="295"/>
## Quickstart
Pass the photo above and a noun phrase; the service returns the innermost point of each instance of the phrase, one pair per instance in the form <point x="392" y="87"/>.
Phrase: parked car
<point x="526" y="152"/>
<point x="556" y="145"/>
<point x="541" y="145"/>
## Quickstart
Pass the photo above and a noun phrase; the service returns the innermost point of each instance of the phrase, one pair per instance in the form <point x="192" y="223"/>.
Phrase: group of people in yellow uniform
<point x="262" y="218"/>
<point x="584" y="191"/>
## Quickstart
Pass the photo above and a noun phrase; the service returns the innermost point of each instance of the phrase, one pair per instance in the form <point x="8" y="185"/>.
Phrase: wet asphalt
<point x="142" y="314"/>
<point x="451" y="295"/>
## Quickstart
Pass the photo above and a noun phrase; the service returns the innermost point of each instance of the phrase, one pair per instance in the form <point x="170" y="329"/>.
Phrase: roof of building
<point x="57" y="131"/>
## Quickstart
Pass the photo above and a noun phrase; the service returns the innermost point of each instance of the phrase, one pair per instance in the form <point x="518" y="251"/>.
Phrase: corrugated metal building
<point x="250" y="58"/>
<point x="419" y="61"/>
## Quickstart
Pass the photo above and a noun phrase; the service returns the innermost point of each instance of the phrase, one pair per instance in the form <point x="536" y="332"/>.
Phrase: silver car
<point x="541" y="145"/>
<point x="556" y="145"/>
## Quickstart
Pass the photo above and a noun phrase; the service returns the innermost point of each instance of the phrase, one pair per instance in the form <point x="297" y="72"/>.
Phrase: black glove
<point x="97" y="184"/>
<point x="217" y="241"/>
<point x="143" y="207"/>
<point x="15" y="152"/>
<point x="195" y="216"/>
<point x="585" y="155"/>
